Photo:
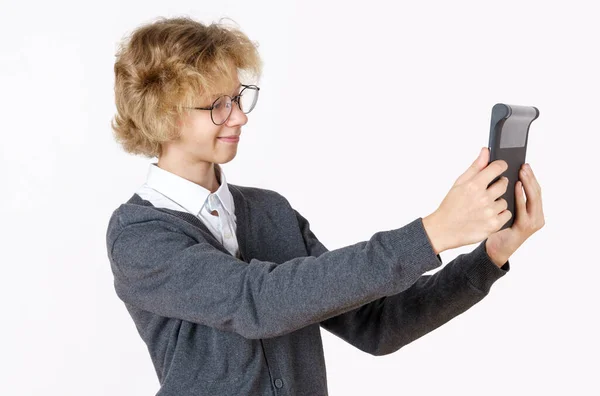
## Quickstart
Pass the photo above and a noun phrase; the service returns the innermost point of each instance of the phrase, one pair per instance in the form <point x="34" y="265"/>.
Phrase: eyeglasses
<point x="222" y="106"/>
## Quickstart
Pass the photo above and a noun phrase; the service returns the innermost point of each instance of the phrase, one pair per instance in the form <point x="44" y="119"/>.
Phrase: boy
<point x="226" y="284"/>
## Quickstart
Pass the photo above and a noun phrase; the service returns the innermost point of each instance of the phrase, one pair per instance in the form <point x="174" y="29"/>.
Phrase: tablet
<point x="509" y="132"/>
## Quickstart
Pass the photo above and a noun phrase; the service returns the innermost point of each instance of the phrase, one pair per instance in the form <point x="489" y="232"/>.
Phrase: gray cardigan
<point x="215" y="324"/>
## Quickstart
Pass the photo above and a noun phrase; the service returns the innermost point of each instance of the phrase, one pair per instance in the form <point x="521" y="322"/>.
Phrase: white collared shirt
<point x="168" y="190"/>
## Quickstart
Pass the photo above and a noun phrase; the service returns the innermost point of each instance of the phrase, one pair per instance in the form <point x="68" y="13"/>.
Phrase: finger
<point x="539" y="214"/>
<point x="480" y="162"/>
<point x="493" y="170"/>
<point x="534" y="180"/>
<point x="532" y="195"/>
<point x="520" y="201"/>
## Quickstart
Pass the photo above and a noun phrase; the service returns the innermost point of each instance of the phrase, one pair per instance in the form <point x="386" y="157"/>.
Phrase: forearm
<point x="436" y="299"/>
<point x="387" y="324"/>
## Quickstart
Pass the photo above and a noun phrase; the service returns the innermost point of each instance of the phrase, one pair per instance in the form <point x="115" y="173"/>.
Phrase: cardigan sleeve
<point x="160" y="269"/>
<point x="385" y="325"/>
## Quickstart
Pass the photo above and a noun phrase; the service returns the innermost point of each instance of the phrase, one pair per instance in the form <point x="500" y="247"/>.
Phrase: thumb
<point x="480" y="163"/>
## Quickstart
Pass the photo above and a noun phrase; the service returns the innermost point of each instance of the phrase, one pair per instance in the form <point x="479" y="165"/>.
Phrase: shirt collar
<point x="187" y="193"/>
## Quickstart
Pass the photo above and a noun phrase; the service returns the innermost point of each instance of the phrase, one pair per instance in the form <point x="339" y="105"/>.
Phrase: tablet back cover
<point x="509" y="133"/>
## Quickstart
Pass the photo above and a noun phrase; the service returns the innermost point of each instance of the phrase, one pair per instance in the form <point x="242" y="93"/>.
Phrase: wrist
<point x="495" y="257"/>
<point x="435" y="233"/>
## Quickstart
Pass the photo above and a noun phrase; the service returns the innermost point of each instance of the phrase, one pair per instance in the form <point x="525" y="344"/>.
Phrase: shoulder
<point x="256" y="195"/>
<point x="133" y="212"/>
<point x="263" y="202"/>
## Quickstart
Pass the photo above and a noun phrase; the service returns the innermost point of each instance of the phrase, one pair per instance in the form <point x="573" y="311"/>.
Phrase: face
<point x="201" y="139"/>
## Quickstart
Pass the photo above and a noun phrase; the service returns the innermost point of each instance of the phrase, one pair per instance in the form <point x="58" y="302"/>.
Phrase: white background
<point x="368" y="113"/>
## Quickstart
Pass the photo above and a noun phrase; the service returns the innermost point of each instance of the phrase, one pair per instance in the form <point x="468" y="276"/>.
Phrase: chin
<point x="225" y="160"/>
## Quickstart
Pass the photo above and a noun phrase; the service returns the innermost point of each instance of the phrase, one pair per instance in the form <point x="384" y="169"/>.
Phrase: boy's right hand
<point x="471" y="211"/>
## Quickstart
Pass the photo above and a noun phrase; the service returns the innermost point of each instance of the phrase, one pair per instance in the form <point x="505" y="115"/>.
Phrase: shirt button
<point x="278" y="383"/>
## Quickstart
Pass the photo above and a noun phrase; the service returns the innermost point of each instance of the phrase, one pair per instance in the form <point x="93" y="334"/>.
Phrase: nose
<point x="237" y="116"/>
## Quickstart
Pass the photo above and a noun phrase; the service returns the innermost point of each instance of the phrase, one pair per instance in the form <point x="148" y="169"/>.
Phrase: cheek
<point x="204" y="133"/>
<point x="199" y="126"/>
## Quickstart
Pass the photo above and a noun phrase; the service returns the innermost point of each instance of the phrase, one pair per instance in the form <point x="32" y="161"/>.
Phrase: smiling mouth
<point x="232" y="139"/>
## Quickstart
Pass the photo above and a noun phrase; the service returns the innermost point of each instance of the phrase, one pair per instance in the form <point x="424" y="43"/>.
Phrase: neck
<point x="202" y="173"/>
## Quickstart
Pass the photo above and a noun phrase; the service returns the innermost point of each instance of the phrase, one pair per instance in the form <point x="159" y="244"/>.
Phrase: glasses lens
<point x="221" y="109"/>
<point x="248" y="99"/>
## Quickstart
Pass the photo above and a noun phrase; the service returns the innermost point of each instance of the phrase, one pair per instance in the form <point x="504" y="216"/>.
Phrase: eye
<point x="219" y="103"/>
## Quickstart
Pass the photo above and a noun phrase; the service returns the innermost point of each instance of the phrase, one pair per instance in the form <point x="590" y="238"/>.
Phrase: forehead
<point x="231" y="87"/>
<point x="227" y="88"/>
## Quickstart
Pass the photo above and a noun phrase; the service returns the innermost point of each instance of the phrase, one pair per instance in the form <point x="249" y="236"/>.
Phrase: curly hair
<point x="168" y="64"/>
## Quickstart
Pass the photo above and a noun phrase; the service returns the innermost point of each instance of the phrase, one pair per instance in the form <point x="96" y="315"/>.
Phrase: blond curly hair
<point x="167" y="65"/>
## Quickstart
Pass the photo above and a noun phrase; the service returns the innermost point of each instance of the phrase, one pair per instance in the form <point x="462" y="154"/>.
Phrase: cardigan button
<point x="278" y="383"/>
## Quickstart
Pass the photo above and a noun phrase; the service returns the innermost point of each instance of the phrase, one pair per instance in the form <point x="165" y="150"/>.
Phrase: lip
<point x="230" y="139"/>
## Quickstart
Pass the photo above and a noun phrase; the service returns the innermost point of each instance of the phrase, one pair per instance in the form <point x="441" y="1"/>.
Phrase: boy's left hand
<point x="529" y="219"/>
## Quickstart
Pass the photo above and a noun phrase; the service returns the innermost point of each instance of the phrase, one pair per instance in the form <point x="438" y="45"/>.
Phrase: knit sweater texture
<point x="215" y="324"/>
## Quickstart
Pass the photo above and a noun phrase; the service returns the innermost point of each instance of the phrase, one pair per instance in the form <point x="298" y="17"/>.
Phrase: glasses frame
<point x="235" y="99"/>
